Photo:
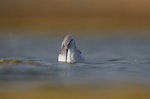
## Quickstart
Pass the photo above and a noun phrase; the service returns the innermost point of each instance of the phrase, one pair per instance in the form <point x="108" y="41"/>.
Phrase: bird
<point x="69" y="53"/>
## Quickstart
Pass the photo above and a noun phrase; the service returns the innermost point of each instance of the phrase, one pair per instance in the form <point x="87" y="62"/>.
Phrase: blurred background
<point x="103" y="17"/>
<point x="113" y="36"/>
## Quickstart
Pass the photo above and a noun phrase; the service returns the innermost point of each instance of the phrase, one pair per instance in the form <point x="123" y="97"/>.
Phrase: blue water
<point x="107" y="60"/>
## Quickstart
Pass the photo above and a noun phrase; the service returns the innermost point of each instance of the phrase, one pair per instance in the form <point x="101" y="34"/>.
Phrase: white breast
<point x="61" y="58"/>
<point x="69" y="52"/>
<point x="74" y="56"/>
<point x="70" y="56"/>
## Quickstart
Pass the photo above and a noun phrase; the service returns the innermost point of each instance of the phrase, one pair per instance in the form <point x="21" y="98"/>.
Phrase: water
<point x="114" y="69"/>
<point x="107" y="61"/>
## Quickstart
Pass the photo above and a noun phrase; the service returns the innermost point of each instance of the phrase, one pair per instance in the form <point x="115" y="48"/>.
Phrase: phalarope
<point x="69" y="52"/>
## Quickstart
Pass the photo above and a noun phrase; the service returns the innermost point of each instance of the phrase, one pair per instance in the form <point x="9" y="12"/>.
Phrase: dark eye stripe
<point x="69" y="42"/>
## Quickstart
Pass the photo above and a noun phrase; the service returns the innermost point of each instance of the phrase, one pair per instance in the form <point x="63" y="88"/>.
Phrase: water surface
<point x="106" y="60"/>
<point x="33" y="62"/>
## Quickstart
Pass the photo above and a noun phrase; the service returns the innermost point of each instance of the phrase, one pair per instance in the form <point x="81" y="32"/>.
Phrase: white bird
<point x="69" y="52"/>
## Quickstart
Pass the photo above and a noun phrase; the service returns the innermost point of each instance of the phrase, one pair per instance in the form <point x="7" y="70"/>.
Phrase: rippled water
<point x="107" y="61"/>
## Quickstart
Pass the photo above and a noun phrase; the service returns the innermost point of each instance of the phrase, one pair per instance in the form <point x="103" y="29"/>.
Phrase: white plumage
<point x="69" y="52"/>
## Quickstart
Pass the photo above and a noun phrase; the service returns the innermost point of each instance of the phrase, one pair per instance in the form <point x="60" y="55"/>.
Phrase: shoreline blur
<point x="77" y="91"/>
<point x="86" y="17"/>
